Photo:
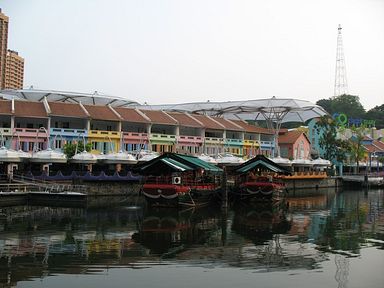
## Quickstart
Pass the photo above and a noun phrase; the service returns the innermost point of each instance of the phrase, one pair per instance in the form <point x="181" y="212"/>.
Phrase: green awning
<point x="200" y="163"/>
<point x="260" y="163"/>
<point x="172" y="162"/>
<point x="176" y="164"/>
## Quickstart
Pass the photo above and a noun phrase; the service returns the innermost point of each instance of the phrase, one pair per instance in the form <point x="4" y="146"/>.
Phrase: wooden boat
<point x="179" y="180"/>
<point x="259" y="179"/>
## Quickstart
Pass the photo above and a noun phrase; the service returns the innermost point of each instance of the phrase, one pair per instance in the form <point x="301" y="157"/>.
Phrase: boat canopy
<point x="260" y="161"/>
<point x="172" y="162"/>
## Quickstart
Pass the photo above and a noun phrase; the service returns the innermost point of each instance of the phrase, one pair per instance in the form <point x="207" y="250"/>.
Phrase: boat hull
<point x="259" y="191"/>
<point x="174" y="195"/>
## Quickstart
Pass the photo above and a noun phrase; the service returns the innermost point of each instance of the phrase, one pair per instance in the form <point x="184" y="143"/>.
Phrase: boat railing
<point x="185" y="180"/>
<point x="25" y="184"/>
<point x="307" y="174"/>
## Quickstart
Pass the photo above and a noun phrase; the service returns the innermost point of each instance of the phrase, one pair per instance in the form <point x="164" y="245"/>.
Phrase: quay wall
<point x="112" y="188"/>
<point x="307" y="183"/>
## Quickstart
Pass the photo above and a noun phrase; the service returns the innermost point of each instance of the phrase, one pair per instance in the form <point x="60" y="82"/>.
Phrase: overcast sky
<point x="174" y="51"/>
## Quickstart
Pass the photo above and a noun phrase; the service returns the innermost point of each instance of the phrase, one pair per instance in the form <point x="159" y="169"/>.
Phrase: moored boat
<point x="259" y="179"/>
<point x="179" y="180"/>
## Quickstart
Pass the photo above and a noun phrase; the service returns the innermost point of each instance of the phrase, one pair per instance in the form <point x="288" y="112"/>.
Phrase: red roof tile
<point x="379" y="145"/>
<point x="101" y="113"/>
<point x="228" y="124"/>
<point x="208" y="122"/>
<point x="370" y="148"/>
<point x="185" y="120"/>
<point x="253" y="128"/>
<point x="290" y="137"/>
<point x="67" y="110"/>
<point x="6" y="107"/>
<point x="30" y="109"/>
<point x="131" y="115"/>
<point x="159" y="117"/>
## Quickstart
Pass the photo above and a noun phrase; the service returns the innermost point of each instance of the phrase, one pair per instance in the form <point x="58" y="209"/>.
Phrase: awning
<point x="201" y="163"/>
<point x="172" y="162"/>
<point x="260" y="163"/>
<point x="176" y="164"/>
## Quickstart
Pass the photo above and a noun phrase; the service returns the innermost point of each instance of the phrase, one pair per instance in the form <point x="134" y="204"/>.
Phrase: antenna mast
<point x="341" y="85"/>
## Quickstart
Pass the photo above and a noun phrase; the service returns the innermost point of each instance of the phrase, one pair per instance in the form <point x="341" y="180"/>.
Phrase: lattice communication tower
<point x="341" y="85"/>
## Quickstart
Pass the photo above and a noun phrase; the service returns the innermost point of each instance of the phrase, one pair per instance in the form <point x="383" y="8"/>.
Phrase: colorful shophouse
<point x="31" y="126"/>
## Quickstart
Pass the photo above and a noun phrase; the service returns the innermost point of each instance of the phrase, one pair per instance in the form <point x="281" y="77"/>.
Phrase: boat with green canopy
<point x="179" y="180"/>
<point x="259" y="179"/>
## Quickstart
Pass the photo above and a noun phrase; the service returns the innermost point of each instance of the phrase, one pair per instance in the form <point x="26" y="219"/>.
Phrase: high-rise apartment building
<point x="4" y="20"/>
<point x="14" y="71"/>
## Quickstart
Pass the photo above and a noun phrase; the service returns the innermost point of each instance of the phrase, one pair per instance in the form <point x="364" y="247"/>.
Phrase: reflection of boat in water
<point x="260" y="222"/>
<point x="259" y="179"/>
<point x="173" y="180"/>
<point x="166" y="232"/>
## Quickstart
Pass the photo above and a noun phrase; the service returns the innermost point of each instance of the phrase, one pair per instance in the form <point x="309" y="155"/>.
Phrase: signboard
<point x="342" y="120"/>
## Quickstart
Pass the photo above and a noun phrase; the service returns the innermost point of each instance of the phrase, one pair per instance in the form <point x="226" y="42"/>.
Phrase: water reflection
<point x="300" y="235"/>
<point x="167" y="232"/>
<point x="259" y="223"/>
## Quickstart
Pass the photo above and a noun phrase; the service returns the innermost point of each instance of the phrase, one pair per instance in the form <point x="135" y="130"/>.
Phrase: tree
<point x="70" y="148"/>
<point x="326" y="104"/>
<point x="356" y="144"/>
<point x="377" y="114"/>
<point x="334" y="149"/>
<point x="348" y="104"/>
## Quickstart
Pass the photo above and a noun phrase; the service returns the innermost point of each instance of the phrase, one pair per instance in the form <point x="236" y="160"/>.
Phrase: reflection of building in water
<point x="74" y="241"/>
<point x="64" y="240"/>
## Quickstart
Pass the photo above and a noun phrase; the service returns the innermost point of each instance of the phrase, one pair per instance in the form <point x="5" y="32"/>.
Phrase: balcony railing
<point x="237" y="142"/>
<point x="252" y="143"/>
<point x="214" y="140"/>
<point x="190" y="139"/>
<point x="29" y="132"/>
<point x="68" y="132"/>
<point x="269" y="144"/>
<point x="6" y="131"/>
<point x="163" y="137"/>
<point x="103" y="134"/>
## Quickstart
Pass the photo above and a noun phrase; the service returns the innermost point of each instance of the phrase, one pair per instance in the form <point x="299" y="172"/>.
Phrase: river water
<point x="316" y="239"/>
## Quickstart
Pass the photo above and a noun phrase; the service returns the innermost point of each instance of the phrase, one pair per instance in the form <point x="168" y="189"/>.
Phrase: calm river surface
<point x="324" y="239"/>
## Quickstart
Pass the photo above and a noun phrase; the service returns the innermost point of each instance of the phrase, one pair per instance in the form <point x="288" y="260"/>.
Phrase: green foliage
<point x="348" y="104"/>
<point x="357" y="148"/>
<point x="334" y="148"/>
<point x="351" y="106"/>
<point x="326" y="104"/>
<point x="70" y="148"/>
<point x="377" y="113"/>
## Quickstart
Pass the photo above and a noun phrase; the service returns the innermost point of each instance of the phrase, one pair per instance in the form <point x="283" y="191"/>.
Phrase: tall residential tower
<point x="4" y="20"/>
<point x="14" y="71"/>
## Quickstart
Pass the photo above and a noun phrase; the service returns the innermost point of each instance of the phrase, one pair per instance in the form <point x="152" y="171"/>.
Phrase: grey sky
<point x="175" y="51"/>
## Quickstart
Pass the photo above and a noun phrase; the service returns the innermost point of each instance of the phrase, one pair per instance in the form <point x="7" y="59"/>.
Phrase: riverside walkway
<point x="364" y="180"/>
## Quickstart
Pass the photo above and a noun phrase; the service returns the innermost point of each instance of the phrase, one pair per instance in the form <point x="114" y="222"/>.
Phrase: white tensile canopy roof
<point x="272" y="109"/>
<point x="69" y="97"/>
